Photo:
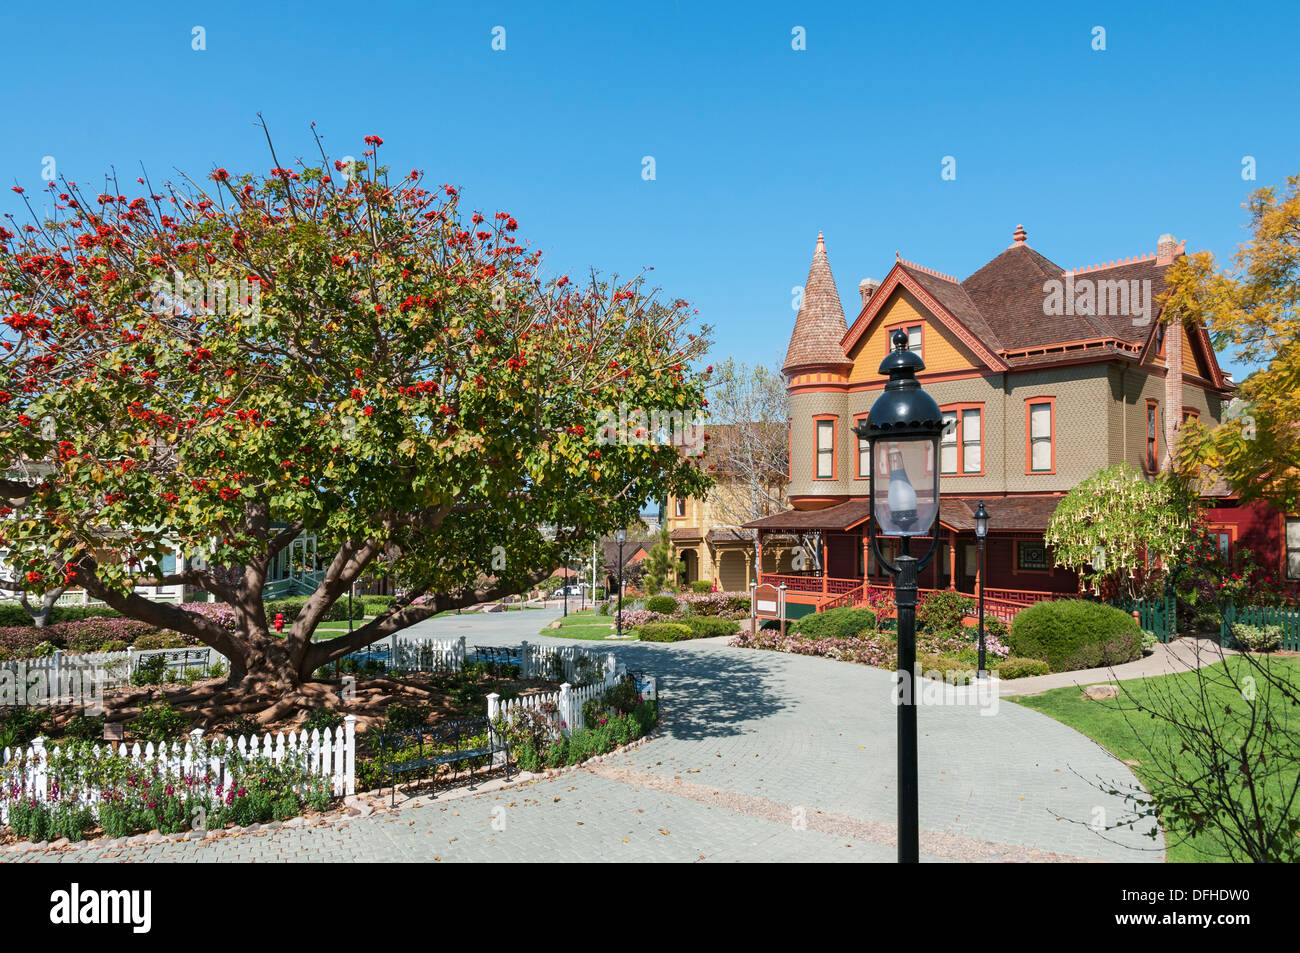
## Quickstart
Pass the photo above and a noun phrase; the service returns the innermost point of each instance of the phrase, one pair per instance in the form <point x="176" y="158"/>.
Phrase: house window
<point x="1152" y="453"/>
<point x="1040" y="429"/>
<point x="1223" y="541"/>
<point x="681" y="506"/>
<point x="826" y="449"/>
<point x="1191" y="413"/>
<point x="1031" y="556"/>
<point x="864" y="452"/>
<point x="961" y="448"/>
<point x="914" y="337"/>
<point x="1293" y="547"/>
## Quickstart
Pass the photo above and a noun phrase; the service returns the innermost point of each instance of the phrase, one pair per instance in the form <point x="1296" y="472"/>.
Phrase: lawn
<point x="1114" y="725"/>
<point x="585" y="625"/>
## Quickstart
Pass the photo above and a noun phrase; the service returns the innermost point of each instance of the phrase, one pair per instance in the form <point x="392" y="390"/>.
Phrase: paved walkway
<point x="760" y="756"/>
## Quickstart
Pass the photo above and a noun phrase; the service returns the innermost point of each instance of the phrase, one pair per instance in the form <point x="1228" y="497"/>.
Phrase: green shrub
<point x="85" y="727"/>
<point x="150" y="670"/>
<point x="160" y="640"/>
<point x="701" y="586"/>
<point x="944" y="668"/>
<point x="843" y="623"/>
<point x="1013" y="667"/>
<point x="290" y="609"/>
<point x="941" y="613"/>
<point x="324" y="719"/>
<point x="706" y="627"/>
<point x="18" y="726"/>
<point x="159" y="722"/>
<point x="1257" y="638"/>
<point x="403" y="717"/>
<point x="665" y="632"/>
<point x="664" y="605"/>
<point x="1071" y="634"/>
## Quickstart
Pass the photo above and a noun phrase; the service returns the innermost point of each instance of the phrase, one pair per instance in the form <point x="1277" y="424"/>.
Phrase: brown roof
<point x="686" y="532"/>
<point x="1006" y="513"/>
<point x="838" y="517"/>
<point x="1003" y="306"/>
<point x="820" y="323"/>
<point x="730" y="535"/>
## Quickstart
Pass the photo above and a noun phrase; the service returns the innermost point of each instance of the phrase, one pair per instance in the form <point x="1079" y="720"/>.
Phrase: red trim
<point x="898" y="276"/>
<point x="861" y="447"/>
<point x="1029" y="445"/>
<point x="889" y="330"/>
<point x="835" y="445"/>
<point x="957" y="408"/>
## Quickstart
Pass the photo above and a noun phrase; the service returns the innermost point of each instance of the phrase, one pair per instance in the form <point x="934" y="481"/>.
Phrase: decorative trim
<point x="835" y="446"/>
<point x="898" y="276"/>
<point x="1029" y="445"/>
<point x="961" y="447"/>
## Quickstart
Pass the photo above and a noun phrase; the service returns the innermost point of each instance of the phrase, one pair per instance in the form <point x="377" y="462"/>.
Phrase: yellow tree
<point x="1254" y="309"/>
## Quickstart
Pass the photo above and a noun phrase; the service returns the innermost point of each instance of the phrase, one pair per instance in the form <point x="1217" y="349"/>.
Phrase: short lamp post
<point x="981" y="530"/>
<point x="903" y="431"/>
<point x="621" y="537"/>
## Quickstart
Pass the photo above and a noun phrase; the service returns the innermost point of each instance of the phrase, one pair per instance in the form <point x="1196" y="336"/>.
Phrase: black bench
<point x="417" y="750"/>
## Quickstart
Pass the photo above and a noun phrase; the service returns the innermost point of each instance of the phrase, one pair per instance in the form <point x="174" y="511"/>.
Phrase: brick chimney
<point x="1173" y="408"/>
<point x="867" y="287"/>
<point x="1167" y="248"/>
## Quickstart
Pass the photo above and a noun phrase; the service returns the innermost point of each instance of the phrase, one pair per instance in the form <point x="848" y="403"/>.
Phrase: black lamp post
<point x="621" y="536"/>
<point x="981" y="530"/>
<point x="903" y="431"/>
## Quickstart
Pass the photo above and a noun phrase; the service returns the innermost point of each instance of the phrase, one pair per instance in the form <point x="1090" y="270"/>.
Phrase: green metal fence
<point x="1286" y="617"/>
<point x="1154" y="615"/>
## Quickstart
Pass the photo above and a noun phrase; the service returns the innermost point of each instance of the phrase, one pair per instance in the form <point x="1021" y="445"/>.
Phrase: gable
<point x="941" y="350"/>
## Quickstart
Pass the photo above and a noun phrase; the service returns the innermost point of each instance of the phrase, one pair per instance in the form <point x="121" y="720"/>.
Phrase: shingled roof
<point x="1001" y="307"/>
<point x="820" y="323"/>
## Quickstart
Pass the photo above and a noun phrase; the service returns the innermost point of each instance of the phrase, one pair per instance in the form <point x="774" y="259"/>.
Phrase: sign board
<point x="646" y="687"/>
<point x="768" y="602"/>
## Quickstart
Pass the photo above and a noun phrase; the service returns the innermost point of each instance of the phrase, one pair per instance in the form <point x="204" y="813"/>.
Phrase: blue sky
<point x="756" y="146"/>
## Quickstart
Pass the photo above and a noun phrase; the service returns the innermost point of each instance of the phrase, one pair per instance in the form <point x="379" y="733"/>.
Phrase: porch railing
<point x="796" y="582"/>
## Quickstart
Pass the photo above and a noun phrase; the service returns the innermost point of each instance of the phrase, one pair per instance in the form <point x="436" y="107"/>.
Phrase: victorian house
<point x="1044" y="375"/>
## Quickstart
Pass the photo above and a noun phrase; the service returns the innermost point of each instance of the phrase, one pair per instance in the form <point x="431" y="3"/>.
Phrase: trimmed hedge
<point x="1013" y="667"/>
<point x="705" y="627"/>
<point x="701" y="586"/>
<point x="843" y="623"/>
<point x="290" y="608"/>
<point x="1070" y="634"/>
<point x="12" y="614"/>
<point x="665" y="632"/>
<point x="665" y="605"/>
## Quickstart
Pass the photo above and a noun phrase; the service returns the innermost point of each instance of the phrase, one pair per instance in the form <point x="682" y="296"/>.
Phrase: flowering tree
<point x="1253" y="307"/>
<point x="1114" y="525"/>
<point x="213" y="371"/>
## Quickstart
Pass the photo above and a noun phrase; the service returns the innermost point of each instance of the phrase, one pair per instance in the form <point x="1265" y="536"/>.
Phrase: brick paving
<point x="760" y="757"/>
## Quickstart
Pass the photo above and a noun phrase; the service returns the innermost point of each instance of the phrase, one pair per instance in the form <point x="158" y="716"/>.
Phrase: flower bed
<point x="104" y="633"/>
<point x="878" y="649"/>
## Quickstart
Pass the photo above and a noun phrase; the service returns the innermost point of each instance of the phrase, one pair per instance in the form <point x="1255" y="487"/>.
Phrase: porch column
<point x="758" y="555"/>
<point x="866" y="557"/>
<point x="826" y="563"/>
<point x="952" y="558"/>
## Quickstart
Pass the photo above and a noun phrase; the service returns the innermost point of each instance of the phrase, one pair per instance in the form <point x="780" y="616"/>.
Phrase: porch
<point x="833" y="566"/>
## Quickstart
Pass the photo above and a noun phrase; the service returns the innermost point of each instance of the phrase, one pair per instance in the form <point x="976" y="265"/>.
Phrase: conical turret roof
<point x="820" y="324"/>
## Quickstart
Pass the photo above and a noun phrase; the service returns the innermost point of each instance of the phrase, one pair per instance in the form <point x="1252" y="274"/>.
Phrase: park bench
<point x="417" y="750"/>
<point x="497" y="656"/>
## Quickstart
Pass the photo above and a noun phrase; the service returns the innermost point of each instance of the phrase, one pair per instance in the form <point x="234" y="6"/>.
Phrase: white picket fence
<point x="321" y="754"/>
<point x="76" y="675"/>
<point x="570" y="699"/>
<point x="429" y="655"/>
<point x="573" y="663"/>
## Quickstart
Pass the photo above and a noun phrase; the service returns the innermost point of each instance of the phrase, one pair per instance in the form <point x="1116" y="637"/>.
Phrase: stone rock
<point x="1101" y="691"/>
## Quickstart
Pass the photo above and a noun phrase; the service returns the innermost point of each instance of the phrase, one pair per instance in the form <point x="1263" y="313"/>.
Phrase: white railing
<point x="26" y="772"/>
<point x="570" y="700"/>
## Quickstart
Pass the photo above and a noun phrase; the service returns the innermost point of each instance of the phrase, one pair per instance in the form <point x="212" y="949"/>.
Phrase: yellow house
<point x="706" y="533"/>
